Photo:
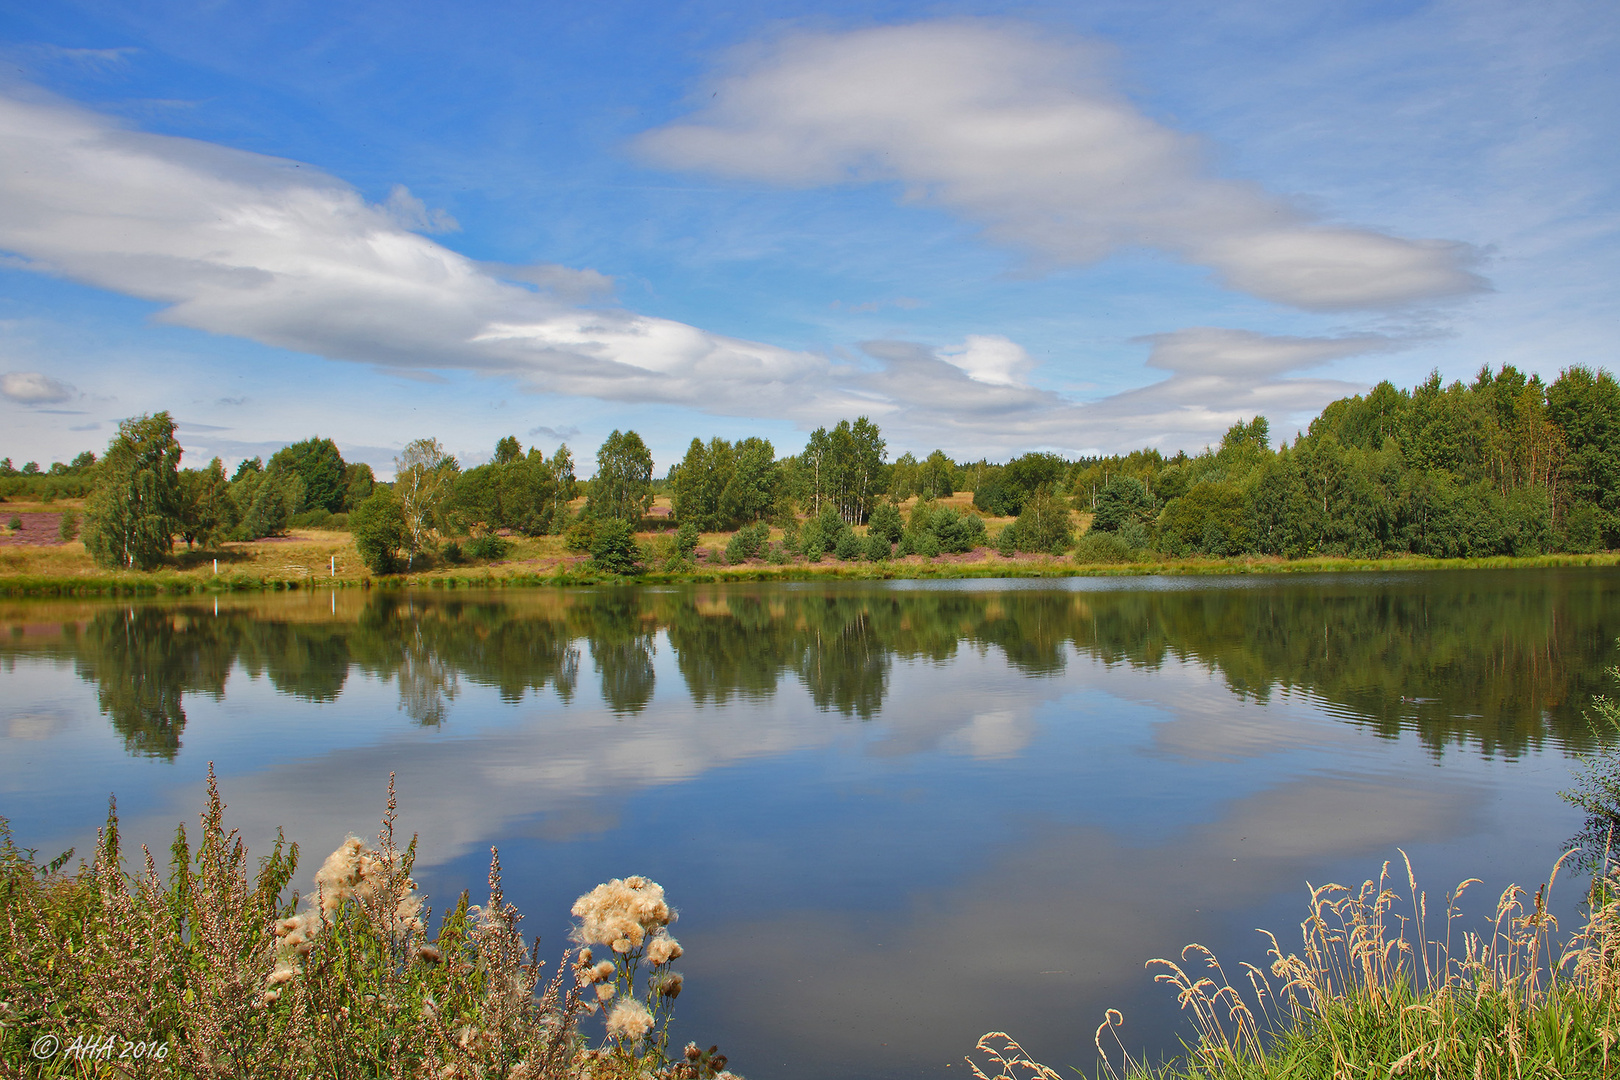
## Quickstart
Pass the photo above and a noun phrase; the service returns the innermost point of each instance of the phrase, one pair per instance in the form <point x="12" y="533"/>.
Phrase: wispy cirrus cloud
<point x="1024" y="135"/>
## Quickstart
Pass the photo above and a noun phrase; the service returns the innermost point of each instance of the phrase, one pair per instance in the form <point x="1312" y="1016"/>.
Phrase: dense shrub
<point x="378" y="526"/>
<point x="488" y="546"/>
<point x="613" y="548"/>
<point x="747" y="542"/>
<point x="885" y="522"/>
<point x="1044" y="526"/>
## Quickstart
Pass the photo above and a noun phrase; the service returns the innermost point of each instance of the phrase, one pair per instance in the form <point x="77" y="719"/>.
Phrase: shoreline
<point x="497" y="576"/>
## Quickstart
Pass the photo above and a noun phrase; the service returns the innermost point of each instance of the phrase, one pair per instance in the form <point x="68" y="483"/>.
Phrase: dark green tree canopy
<point x="1122" y="500"/>
<point x="378" y="525"/>
<point x="317" y="462"/>
<point x="133" y="513"/>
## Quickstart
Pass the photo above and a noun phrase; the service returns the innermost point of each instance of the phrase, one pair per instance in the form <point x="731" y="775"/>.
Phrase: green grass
<point x="1375" y="992"/>
<point x="217" y="970"/>
<point x="170" y="582"/>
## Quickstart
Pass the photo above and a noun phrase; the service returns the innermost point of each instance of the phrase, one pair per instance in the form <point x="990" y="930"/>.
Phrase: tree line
<point x="1503" y="465"/>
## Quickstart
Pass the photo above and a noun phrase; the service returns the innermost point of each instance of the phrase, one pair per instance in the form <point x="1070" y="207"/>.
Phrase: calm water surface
<point x="894" y="816"/>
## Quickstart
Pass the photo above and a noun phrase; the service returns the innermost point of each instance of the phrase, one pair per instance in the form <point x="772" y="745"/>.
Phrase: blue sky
<point x="991" y="227"/>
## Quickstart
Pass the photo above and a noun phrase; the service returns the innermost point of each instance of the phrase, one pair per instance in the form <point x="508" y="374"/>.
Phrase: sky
<point x="991" y="228"/>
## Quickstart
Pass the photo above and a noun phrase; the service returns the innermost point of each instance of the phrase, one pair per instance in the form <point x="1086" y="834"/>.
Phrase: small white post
<point x="216" y="568"/>
<point x="334" y="566"/>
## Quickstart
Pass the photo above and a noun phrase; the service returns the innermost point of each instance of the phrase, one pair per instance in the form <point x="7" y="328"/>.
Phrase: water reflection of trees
<point x="1498" y="661"/>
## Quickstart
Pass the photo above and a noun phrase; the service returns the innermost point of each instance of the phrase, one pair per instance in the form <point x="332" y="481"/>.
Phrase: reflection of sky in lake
<point x="862" y="898"/>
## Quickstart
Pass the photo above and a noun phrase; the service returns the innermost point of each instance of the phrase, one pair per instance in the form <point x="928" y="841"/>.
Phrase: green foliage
<point x="613" y="548"/>
<point x="823" y="534"/>
<point x="71" y="481"/>
<point x="843" y="469"/>
<point x="508" y="450"/>
<point x="935" y="529"/>
<point x="747" y="542"/>
<point x="1044" y="525"/>
<point x="581" y="535"/>
<point x="1122" y="500"/>
<point x="133" y="513"/>
<point x="357" y="484"/>
<point x="622" y="487"/>
<point x="319" y="518"/>
<point x="936" y="477"/>
<point x="1211" y="519"/>
<point x="320" y="466"/>
<point x="379" y="531"/>
<point x="488" y="546"/>
<point x="1103" y="547"/>
<point x="207" y="513"/>
<point x="68" y="526"/>
<point x="1004" y="493"/>
<point x="525" y="493"/>
<point x="849" y="547"/>
<point x="262" y="502"/>
<point x="877" y="547"/>
<point x="697" y="481"/>
<point x="424" y="484"/>
<point x="1585" y="408"/>
<point x="885" y="522"/>
<point x="15" y="524"/>
<point x="686" y="539"/>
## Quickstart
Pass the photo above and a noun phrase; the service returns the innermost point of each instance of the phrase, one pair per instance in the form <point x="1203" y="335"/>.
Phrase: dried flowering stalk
<point x="631" y="917"/>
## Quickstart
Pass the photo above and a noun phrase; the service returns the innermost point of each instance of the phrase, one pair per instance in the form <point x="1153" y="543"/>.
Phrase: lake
<point x="893" y="815"/>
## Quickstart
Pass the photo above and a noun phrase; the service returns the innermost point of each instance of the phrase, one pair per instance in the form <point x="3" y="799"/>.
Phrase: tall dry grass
<point x="215" y="970"/>
<point x="1375" y="991"/>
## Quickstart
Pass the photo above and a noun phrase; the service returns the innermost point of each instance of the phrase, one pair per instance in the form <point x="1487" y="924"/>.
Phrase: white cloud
<point x="1216" y="377"/>
<point x="1024" y="135"/>
<point x="412" y="213"/>
<point x="263" y="248"/>
<point x="33" y="388"/>
<point x="989" y="358"/>
<point x="267" y="249"/>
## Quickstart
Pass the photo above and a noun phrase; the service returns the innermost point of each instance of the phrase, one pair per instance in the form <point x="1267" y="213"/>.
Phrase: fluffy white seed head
<point x="629" y="1020"/>
<point x="662" y="949"/>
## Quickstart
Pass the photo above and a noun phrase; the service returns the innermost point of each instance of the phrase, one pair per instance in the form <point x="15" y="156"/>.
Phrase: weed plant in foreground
<point x="1371" y="994"/>
<point x="213" y="972"/>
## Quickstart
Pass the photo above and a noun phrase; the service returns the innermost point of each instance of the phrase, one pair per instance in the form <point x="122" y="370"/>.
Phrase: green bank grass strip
<point x="167" y="583"/>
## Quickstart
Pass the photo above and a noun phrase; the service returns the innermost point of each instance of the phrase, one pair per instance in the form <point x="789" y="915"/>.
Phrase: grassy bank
<point x="21" y="577"/>
<point x="317" y="558"/>
<point x="216" y="971"/>
<point x="1375" y="990"/>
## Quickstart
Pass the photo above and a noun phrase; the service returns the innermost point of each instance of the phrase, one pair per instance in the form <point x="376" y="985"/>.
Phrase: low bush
<point x="849" y="547"/>
<point x="488" y="546"/>
<point x="747" y="541"/>
<point x="614" y="549"/>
